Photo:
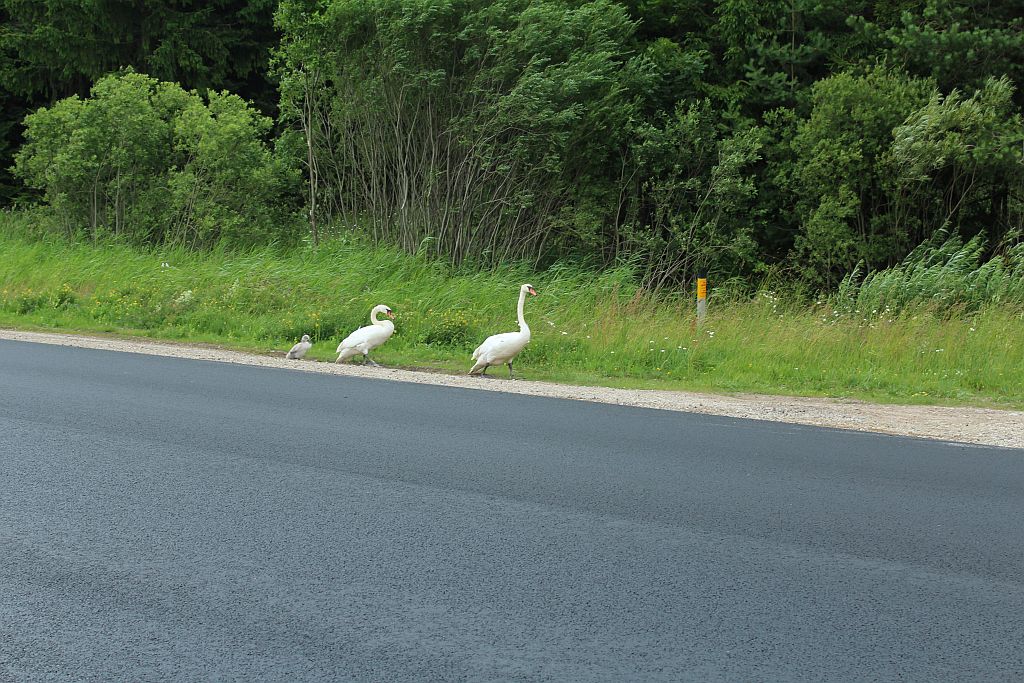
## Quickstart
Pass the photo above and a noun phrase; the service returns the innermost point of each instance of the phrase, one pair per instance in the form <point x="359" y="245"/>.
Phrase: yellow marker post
<point x="702" y="299"/>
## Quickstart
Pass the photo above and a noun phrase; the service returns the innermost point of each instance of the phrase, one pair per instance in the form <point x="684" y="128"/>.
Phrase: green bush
<point x="885" y="161"/>
<point x="841" y="202"/>
<point x="152" y="163"/>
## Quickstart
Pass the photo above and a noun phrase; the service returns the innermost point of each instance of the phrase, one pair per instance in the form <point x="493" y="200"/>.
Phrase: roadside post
<point x="702" y="297"/>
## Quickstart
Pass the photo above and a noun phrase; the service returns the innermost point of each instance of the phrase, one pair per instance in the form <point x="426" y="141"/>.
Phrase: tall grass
<point x="587" y="327"/>
<point x="944" y="273"/>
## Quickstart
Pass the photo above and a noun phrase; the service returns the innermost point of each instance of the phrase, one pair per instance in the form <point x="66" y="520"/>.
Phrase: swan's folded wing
<point x="354" y="339"/>
<point x="486" y="348"/>
<point x="374" y="335"/>
<point x="501" y="347"/>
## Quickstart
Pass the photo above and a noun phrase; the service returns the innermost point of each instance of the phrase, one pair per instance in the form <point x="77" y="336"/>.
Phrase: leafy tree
<point x="957" y="163"/>
<point x="150" y="162"/>
<point x="884" y="161"/>
<point x="836" y="184"/>
<point x="50" y="49"/>
<point x="694" y="206"/>
<point x="958" y="43"/>
<point x="465" y="125"/>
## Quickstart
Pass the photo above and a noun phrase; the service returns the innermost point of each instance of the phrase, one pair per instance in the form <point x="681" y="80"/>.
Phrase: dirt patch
<point x="965" y="425"/>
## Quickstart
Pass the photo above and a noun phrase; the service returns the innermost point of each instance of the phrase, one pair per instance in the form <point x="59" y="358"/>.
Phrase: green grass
<point x="587" y="328"/>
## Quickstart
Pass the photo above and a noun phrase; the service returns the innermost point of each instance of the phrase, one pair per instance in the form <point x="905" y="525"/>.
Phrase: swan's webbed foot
<point x="367" y="361"/>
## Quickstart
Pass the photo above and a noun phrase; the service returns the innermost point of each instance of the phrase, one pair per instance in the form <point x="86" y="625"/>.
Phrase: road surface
<point x="164" y="518"/>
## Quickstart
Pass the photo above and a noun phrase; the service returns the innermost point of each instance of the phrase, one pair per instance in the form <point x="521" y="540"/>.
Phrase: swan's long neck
<point x="381" y="323"/>
<point x="523" y="327"/>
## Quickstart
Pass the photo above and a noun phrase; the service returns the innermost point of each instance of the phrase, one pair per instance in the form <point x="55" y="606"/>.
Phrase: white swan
<point x="501" y="349"/>
<point x="366" y="339"/>
<point x="299" y="350"/>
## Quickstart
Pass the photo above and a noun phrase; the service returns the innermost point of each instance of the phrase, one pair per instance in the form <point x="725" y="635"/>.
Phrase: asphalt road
<point x="165" y="519"/>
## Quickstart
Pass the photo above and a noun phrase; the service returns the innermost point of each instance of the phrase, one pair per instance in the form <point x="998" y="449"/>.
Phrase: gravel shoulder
<point x="964" y="425"/>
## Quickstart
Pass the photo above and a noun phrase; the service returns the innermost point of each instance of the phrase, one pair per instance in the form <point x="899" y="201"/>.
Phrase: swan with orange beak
<point x="501" y="349"/>
<point x="366" y="339"/>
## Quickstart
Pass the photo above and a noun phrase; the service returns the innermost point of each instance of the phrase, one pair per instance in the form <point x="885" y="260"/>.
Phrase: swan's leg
<point x="510" y="370"/>
<point x="366" y="359"/>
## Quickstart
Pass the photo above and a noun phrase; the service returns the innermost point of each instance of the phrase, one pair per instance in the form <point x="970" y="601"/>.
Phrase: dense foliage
<point x="51" y="49"/>
<point x="825" y="138"/>
<point x="148" y="161"/>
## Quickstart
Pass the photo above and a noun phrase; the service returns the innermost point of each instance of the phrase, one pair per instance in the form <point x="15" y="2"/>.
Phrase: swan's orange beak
<point x="390" y="314"/>
<point x="533" y="291"/>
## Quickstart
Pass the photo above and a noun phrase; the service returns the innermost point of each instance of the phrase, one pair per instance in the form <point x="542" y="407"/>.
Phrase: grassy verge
<point x="587" y="328"/>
